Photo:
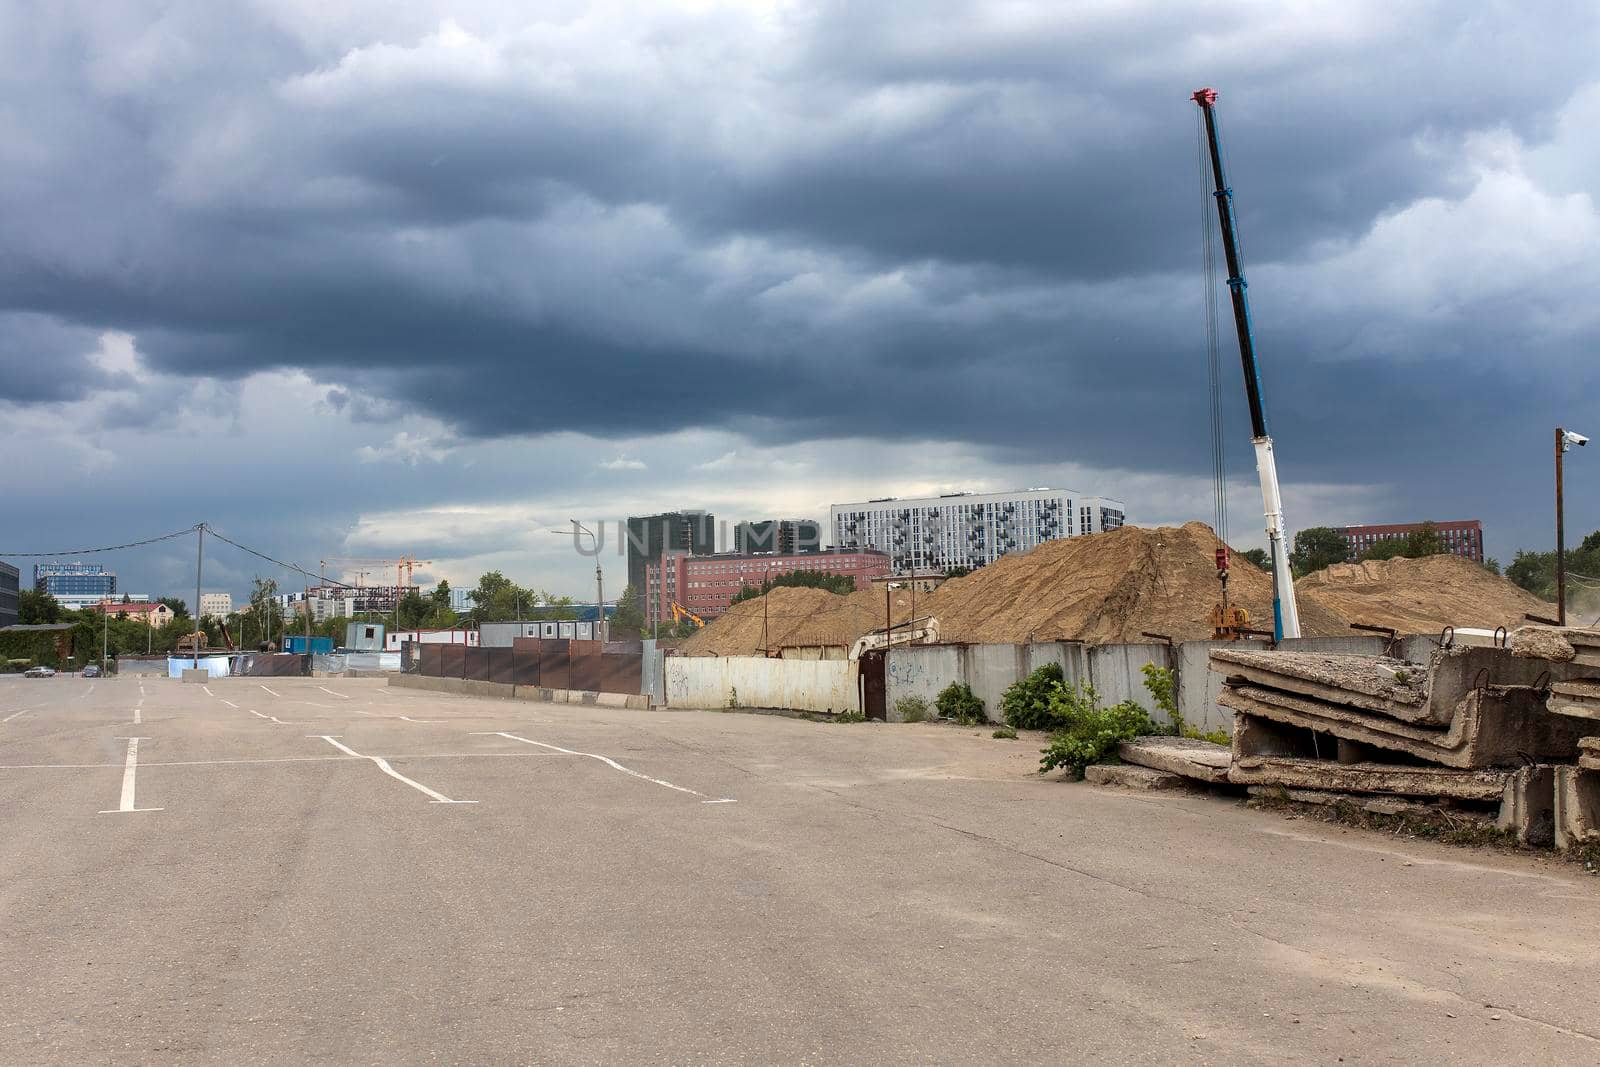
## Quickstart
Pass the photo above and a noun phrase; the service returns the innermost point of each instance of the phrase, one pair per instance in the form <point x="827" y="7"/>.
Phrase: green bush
<point x="849" y="716"/>
<point x="1026" y="704"/>
<point x="911" y="709"/>
<point x="957" y="701"/>
<point x="1005" y="733"/>
<point x="1088" y="733"/>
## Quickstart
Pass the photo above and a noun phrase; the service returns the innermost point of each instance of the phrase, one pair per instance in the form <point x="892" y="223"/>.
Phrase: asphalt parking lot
<point x="335" y="870"/>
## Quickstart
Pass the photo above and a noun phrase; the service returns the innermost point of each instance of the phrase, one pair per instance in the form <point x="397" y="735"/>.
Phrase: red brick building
<point x="706" y="584"/>
<point x="1465" y="538"/>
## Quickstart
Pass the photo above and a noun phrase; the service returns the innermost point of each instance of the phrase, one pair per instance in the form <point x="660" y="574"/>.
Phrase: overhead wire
<point x="287" y="566"/>
<point x="108" y="548"/>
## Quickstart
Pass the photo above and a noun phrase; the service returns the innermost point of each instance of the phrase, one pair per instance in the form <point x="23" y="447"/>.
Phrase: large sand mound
<point x="1420" y="596"/>
<point x="1109" y="588"/>
<point x="1102" y="589"/>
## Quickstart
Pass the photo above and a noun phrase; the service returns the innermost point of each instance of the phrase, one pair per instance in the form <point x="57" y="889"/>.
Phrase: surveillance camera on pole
<point x="1569" y="438"/>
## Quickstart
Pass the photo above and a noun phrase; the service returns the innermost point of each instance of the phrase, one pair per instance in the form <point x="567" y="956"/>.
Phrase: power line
<point x="287" y="566"/>
<point x="110" y="548"/>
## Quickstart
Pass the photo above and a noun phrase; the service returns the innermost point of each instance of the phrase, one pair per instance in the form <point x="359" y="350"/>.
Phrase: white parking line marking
<point x="207" y="688"/>
<point x="228" y="702"/>
<point x="607" y="760"/>
<point x="90" y="690"/>
<point x="408" y="718"/>
<point x="331" y="693"/>
<point x="14" y="714"/>
<point x="270" y="691"/>
<point x="269" y="759"/>
<point x="137" y="717"/>
<point x="383" y="765"/>
<point x="129" y="771"/>
<point x="270" y="718"/>
<point x="314" y="704"/>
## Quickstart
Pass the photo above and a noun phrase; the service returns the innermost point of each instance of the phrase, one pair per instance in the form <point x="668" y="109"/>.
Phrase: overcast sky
<point x="357" y="278"/>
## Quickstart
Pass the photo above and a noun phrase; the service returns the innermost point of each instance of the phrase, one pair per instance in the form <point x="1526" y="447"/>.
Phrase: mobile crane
<point x="1285" y="613"/>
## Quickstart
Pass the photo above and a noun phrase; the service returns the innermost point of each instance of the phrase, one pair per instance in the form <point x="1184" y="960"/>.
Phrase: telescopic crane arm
<point x="1285" y="613"/>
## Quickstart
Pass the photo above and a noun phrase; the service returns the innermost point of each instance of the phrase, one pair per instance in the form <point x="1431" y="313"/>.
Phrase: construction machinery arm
<point x="1285" y="611"/>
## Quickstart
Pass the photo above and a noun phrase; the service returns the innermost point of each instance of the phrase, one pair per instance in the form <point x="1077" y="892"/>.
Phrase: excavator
<point x="679" y="613"/>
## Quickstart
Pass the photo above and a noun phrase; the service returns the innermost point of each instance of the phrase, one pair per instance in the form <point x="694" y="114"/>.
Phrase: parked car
<point x="91" y="671"/>
<point x="39" y="672"/>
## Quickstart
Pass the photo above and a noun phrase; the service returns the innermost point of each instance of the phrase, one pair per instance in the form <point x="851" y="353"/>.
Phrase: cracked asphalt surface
<point x="279" y="878"/>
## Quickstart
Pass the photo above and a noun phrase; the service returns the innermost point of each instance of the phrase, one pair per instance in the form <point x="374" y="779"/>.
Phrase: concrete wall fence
<point x="757" y="682"/>
<point x="1116" y="672"/>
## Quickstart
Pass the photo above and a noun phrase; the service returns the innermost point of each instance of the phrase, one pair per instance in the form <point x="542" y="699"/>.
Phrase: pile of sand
<point x="1109" y="588"/>
<point x="1102" y="589"/>
<point x="1420" y="596"/>
<point x="791" y="617"/>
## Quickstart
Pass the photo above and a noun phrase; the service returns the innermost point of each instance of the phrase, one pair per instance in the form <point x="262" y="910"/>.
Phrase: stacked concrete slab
<point x="1462" y="728"/>
<point x="1576" y="698"/>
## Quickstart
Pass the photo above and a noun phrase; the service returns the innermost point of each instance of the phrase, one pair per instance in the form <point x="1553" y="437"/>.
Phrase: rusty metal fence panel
<point x="431" y="660"/>
<point x="554" y="660"/>
<point x="453" y="661"/>
<point x="475" y="665"/>
<point x="525" y="666"/>
<point x="501" y="667"/>
<point x="620" y="672"/>
<point x="584" y="672"/>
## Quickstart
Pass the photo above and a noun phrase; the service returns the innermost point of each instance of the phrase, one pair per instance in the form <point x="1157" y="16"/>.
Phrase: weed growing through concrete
<point x="911" y="709"/>
<point x="957" y="701"/>
<point x="849" y="716"/>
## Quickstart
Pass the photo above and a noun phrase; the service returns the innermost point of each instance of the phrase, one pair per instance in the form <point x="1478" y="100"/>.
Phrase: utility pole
<point x="105" y="629"/>
<point x="199" y="557"/>
<point x="1565" y="439"/>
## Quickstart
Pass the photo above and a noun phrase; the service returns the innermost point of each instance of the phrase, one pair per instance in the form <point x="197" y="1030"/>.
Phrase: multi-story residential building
<point x="968" y="529"/>
<point x="10" y="589"/>
<point x="154" y="615"/>
<point x="63" y="580"/>
<point x="216" y="605"/>
<point x="786" y="537"/>
<point x="1464" y="537"/>
<point x="706" y="584"/>
<point x="694" y="532"/>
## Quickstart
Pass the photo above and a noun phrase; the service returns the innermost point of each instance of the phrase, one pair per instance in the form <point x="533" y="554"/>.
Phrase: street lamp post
<point x="599" y="581"/>
<point x="1565" y="439"/>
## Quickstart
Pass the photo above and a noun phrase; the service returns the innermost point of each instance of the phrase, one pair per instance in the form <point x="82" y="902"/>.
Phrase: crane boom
<point x="1285" y="612"/>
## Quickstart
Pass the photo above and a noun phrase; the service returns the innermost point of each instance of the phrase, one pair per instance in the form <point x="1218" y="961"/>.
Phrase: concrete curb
<point x="503" y="691"/>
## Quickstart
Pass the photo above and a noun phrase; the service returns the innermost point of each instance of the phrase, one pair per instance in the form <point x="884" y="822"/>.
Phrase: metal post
<point x="105" y="629"/>
<point x="1561" y="533"/>
<point x="600" y="595"/>
<point x="199" y="557"/>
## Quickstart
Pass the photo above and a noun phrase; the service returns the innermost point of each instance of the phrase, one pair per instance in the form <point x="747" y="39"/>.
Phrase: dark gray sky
<point x="347" y="281"/>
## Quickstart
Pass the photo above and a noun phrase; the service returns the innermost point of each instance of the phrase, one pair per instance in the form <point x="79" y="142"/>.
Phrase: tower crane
<point x="1285" y="613"/>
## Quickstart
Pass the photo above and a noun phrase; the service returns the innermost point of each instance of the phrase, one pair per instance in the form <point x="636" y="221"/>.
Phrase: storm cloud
<point x="776" y="225"/>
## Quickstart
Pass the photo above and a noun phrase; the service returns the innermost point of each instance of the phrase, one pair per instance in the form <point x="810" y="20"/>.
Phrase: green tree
<point x="629" y="617"/>
<point x="412" y="610"/>
<point x="1491" y="565"/>
<point x="35" y="607"/>
<point x="266" y="615"/>
<point x="1423" y="541"/>
<point x="805" y="579"/>
<point x="957" y="571"/>
<point x="1317" y="547"/>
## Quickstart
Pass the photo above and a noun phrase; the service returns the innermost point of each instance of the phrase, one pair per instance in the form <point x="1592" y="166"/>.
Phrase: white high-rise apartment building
<point x="967" y="529"/>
